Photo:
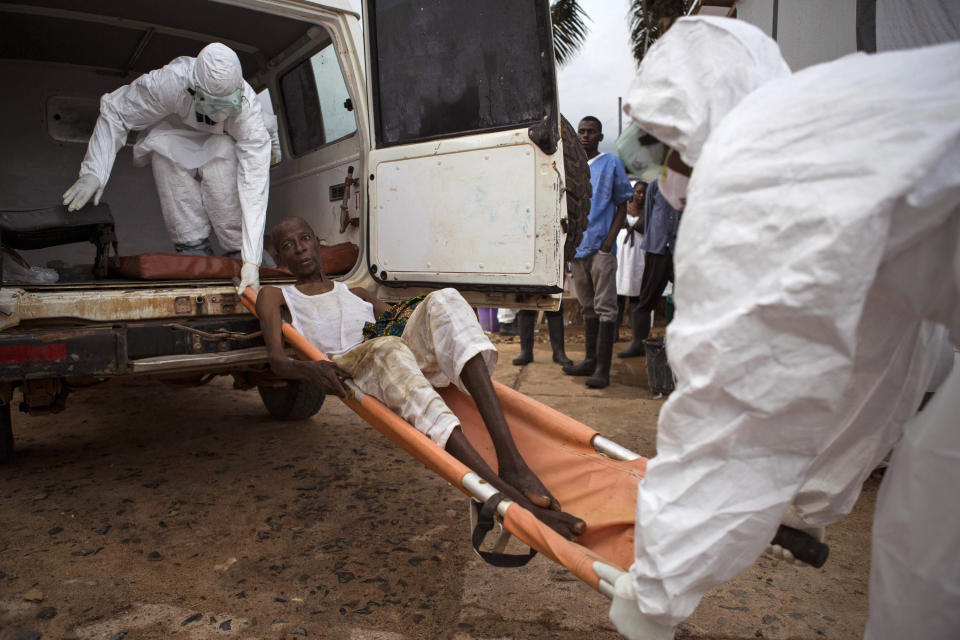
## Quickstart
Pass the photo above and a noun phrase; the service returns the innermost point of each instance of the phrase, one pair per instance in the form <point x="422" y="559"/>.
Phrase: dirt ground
<point x="151" y="511"/>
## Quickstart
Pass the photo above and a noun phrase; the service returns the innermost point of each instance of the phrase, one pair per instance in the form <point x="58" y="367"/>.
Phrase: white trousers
<point x="194" y="201"/>
<point x="914" y="564"/>
<point x="441" y="335"/>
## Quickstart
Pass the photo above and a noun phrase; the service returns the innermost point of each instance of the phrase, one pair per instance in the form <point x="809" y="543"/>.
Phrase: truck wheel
<point x="6" y="434"/>
<point x="296" y="400"/>
<point x="578" y="188"/>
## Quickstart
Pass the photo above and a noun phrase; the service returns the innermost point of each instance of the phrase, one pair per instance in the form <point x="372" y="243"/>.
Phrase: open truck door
<point x="466" y="179"/>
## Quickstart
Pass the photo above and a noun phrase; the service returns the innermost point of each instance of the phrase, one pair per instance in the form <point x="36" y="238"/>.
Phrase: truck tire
<point x="6" y="434"/>
<point x="578" y="188"/>
<point x="296" y="400"/>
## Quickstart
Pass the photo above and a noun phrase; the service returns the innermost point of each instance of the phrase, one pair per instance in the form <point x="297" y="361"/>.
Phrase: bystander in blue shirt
<point x="610" y="188"/>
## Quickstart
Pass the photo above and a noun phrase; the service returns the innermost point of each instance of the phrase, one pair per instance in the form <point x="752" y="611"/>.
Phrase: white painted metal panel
<point x="480" y="210"/>
<point x="466" y="211"/>
<point x="461" y="212"/>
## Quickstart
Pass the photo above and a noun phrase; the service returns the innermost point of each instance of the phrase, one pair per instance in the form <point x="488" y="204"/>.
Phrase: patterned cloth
<point x="441" y="336"/>
<point x="393" y="321"/>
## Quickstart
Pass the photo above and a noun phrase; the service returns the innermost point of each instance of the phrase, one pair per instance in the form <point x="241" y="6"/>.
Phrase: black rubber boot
<point x="601" y="375"/>
<point x="555" y="324"/>
<point x="621" y="305"/>
<point x="640" y="321"/>
<point x="525" y="320"/>
<point x="590" y="328"/>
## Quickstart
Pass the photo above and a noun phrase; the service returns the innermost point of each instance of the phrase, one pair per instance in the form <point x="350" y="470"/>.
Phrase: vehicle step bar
<point x="178" y="363"/>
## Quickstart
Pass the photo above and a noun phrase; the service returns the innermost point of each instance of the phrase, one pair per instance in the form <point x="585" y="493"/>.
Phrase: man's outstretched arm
<point x="324" y="374"/>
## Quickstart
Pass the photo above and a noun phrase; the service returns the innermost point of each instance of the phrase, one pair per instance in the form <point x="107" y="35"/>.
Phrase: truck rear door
<point x="465" y="180"/>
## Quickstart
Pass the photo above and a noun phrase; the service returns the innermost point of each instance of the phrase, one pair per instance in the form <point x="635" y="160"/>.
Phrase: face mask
<point x="218" y="108"/>
<point x="218" y="117"/>
<point x="673" y="186"/>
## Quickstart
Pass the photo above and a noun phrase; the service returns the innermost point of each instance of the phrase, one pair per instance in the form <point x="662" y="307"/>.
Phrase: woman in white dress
<point x="630" y="268"/>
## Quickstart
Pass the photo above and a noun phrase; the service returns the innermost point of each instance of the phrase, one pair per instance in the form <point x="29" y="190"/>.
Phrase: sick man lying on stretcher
<point x="441" y="344"/>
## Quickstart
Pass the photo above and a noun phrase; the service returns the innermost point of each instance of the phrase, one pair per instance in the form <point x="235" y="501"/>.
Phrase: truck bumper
<point x="150" y="347"/>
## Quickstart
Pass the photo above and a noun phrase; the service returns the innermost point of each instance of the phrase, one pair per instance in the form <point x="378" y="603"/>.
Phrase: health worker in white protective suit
<point x="817" y="284"/>
<point x="209" y="147"/>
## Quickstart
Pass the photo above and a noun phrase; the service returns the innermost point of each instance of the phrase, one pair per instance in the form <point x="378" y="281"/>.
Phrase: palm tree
<point x="569" y="29"/>
<point x="649" y="19"/>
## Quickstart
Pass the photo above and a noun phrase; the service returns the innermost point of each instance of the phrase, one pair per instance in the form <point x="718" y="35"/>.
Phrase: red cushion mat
<point x="338" y="258"/>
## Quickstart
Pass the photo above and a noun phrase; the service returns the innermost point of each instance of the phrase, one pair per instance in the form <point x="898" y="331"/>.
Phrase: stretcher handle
<point x="803" y="546"/>
<point x="484" y="516"/>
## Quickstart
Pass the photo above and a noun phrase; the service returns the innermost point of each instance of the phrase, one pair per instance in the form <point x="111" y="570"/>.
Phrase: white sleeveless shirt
<point x="331" y="321"/>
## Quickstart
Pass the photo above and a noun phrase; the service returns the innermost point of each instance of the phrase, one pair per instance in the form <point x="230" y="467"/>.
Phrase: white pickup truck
<point x="430" y="139"/>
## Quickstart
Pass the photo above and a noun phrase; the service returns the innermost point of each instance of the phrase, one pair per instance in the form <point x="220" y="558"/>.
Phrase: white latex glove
<point x="275" y="156"/>
<point x="81" y="191"/>
<point x="626" y="616"/>
<point x="249" y="277"/>
<point x="793" y="519"/>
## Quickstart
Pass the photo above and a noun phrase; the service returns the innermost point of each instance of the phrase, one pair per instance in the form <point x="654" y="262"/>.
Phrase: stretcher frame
<point x="605" y="550"/>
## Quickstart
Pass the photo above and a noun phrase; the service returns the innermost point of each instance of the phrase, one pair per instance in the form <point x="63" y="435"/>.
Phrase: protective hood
<point x="218" y="70"/>
<point x="697" y="73"/>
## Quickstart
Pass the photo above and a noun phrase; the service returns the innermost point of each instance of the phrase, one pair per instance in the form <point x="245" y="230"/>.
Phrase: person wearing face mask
<point x="209" y="148"/>
<point x="817" y="286"/>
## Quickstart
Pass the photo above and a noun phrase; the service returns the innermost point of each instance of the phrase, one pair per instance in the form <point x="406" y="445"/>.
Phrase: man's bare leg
<point x="513" y="470"/>
<point x="563" y="523"/>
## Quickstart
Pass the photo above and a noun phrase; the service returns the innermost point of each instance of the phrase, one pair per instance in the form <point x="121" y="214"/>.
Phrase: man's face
<point x="589" y="133"/>
<point x="297" y="247"/>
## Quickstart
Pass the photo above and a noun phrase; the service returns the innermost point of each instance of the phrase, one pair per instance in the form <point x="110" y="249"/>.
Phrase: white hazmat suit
<point x="818" y="274"/>
<point x="212" y="172"/>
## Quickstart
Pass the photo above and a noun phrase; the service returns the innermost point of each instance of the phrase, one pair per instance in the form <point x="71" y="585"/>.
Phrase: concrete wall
<point x="809" y="31"/>
<point x="759" y="13"/>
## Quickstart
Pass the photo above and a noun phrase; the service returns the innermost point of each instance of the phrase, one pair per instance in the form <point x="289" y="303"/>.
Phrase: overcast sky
<point x="600" y="72"/>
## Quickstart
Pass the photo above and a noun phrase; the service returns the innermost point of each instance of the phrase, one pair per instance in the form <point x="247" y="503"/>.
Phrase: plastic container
<point x="658" y="369"/>
<point x="488" y="319"/>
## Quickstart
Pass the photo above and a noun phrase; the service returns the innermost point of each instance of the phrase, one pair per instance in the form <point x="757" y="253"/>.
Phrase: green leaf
<point x="569" y="29"/>
<point x="649" y="19"/>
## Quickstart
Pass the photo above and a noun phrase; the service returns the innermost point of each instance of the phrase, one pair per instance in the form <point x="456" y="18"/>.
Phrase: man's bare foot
<point x="519" y="476"/>
<point x="567" y="525"/>
<point x="570" y="527"/>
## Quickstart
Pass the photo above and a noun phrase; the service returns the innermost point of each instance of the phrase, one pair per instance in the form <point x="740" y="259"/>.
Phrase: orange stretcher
<point x="572" y="460"/>
<point x="593" y="478"/>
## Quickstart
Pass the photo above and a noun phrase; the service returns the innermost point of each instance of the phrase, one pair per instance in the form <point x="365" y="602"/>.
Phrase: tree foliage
<point x="569" y="29"/>
<point x="649" y="19"/>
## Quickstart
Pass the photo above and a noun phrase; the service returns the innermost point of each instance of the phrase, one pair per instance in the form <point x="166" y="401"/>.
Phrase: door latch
<point x="345" y="219"/>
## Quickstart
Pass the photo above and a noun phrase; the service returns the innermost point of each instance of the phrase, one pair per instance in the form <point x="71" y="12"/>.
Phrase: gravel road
<point x="150" y="511"/>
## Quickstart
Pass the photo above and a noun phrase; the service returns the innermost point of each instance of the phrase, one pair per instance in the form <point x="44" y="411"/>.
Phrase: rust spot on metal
<point x="117" y="305"/>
